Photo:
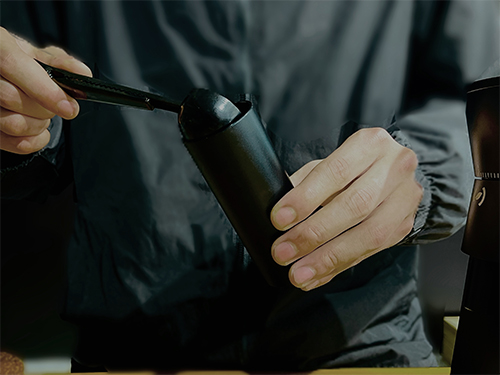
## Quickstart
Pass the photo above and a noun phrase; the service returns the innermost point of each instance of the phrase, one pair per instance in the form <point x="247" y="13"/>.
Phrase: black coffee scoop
<point x="201" y="113"/>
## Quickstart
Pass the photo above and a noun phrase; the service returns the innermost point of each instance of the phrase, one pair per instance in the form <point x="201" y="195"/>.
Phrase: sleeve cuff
<point x="425" y="204"/>
<point x="32" y="176"/>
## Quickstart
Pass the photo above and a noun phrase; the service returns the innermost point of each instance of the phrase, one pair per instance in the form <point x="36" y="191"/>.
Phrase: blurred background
<point x="32" y="282"/>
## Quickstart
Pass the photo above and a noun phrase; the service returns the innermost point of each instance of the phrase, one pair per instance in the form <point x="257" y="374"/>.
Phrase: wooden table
<point x="345" y="371"/>
<point x="10" y="364"/>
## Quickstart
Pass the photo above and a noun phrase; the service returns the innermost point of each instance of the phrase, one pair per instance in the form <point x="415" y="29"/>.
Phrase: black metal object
<point x="230" y="146"/>
<point x="477" y="342"/>
<point x="207" y="110"/>
<point x="481" y="239"/>
<point x="243" y="171"/>
<point x="96" y="90"/>
<point x="204" y="112"/>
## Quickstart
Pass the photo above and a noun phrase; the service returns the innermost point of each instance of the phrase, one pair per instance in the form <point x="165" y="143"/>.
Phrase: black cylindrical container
<point x="246" y="176"/>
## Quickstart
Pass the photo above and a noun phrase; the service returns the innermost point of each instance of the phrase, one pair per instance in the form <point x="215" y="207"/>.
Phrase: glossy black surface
<point x="477" y="344"/>
<point x="246" y="176"/>
<point x="483" y="111"/>
<point x="204" y="112"/>
<point x="93" y="89"/>
<point x="481" y="238"/>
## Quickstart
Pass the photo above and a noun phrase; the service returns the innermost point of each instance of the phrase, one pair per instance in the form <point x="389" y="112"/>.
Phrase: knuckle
<point x="378" y="234"/>
<point x="408" y="160"/>
<point x="376" y="136"/>
<point x="311" y="190"/>
<point x="329" y="260"/>
<point x="381" y="135"/>
<point x="15" y="125"/>
<point x="7" y="52"/>
<point x="406" y="227"/>
<point x="312" y="236"/>
<point x="359" y="204"/>
<point x="8" y="98"/>
<point x="7" y="60"/>
<point x="338" y="170"/>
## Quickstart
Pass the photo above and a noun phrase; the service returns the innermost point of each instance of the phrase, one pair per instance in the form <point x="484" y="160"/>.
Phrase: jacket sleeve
<point x="34" y="176"/>
<point x="452" y="44"/>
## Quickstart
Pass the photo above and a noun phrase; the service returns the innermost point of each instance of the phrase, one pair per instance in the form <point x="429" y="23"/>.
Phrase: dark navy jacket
<point x="156" y="274"/>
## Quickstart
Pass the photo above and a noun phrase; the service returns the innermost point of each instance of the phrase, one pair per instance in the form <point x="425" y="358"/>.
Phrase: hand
<point x="28" y="97"/>
<point x="369" y="196"/>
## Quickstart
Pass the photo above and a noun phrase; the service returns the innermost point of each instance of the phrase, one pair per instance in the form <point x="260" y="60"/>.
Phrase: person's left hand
<point x="369" y="196"/>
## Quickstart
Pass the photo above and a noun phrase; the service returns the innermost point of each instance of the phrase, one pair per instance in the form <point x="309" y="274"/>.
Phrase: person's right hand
<point x="28" y="97"/>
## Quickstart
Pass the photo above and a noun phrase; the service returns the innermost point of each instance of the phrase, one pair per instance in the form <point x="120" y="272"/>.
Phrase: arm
<point x="30" y="102"/>
<point x="379" y="189"/>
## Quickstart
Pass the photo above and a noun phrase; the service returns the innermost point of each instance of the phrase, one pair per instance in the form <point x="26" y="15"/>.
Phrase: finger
<point x="299" y="175"/>
<point x="317" y="283"/>
<point x="24" y="145"/>
<point x="22" y="43"/>
<point x="346" y="209"/>
<point x="401" y="232"/>
<point x="385" y="227"/>
<point x="31" y="78"/>
<point x="302" y="173"/>
<point x="52" y="55"/>
<point x="60" y="59"/>
<point x="339" y="169"/>
<point x="21" y="70"/>
<point x="18" y="125"/>
<point x="15" y="100"/>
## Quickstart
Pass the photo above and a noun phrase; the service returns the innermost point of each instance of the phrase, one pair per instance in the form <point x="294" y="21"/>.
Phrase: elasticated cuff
<point x="425" y="204"/>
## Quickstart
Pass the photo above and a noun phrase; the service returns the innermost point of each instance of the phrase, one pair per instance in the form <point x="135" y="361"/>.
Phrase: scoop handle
<point x="96" y="90"/>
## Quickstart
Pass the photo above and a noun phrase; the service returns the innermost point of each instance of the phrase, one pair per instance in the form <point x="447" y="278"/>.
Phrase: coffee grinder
<point x="477" y="342"/>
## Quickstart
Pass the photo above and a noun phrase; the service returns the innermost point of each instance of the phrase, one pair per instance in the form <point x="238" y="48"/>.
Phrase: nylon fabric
<point x="156" y="275"/>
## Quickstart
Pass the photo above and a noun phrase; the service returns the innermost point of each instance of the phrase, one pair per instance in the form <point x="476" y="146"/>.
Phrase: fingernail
<point x="81" y="66"/>
<point x="310" y="286"/>
<point x="303" y="274"/>
<point x="75" y="106"/>
<point x="284" y="217"/>
<point x="66" y="109"/>
<point x="285" y="252"/>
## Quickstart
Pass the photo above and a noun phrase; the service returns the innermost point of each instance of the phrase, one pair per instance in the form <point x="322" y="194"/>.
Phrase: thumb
<point x="54" y="56"/>
<point x="58" y="58"/>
